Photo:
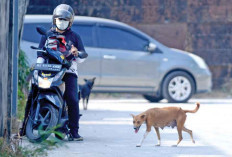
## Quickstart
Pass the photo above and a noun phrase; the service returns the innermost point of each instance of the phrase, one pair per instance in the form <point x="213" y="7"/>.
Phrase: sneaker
<point x="75" y="137"/>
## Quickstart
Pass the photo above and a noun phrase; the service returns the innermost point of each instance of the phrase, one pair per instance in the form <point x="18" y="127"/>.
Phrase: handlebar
<point x="38" y="49"/>
<point x="42" y="51"/>
<point x="33" y="47"/>
<point x="66" y="63"/>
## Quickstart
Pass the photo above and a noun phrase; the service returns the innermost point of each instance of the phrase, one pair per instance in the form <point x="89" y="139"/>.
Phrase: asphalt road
<point x="108" y="131"/>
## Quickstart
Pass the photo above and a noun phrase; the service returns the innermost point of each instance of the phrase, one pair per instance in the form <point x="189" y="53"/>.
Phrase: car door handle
<point x="109" y="57"/>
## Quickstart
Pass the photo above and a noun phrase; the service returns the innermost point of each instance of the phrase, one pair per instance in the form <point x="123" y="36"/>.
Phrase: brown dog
<point x="161" y="117"/>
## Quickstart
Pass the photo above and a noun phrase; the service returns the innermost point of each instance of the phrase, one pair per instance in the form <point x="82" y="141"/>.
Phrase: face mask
<point x="62" y="24"/>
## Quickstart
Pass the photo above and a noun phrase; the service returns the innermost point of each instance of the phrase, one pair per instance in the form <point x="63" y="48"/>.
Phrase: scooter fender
<point x="52" y="98"/>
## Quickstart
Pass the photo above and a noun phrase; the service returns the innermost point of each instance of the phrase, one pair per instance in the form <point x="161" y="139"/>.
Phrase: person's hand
<point x="74" y="51"/>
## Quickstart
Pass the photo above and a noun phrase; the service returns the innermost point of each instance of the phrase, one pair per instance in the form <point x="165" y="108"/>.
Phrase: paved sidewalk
<point x="108" y="132"/>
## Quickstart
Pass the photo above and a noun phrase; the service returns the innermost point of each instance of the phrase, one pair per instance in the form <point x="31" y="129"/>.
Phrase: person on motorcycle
<point x="63" y="16"/>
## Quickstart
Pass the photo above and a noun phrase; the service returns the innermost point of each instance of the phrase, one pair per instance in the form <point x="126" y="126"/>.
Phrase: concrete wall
<point x="203" y="27"/>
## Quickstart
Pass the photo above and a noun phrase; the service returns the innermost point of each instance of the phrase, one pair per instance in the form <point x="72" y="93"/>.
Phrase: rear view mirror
<point x="151" y="47"/>
<point x="41" y="30"/>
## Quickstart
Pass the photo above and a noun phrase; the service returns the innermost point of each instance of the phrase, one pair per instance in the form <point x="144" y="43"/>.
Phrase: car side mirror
<point x="151" y="47"/>
<point x="41" y="30"/>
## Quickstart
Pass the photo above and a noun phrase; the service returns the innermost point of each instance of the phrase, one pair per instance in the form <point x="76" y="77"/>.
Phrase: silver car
<point x="124" y="59"/>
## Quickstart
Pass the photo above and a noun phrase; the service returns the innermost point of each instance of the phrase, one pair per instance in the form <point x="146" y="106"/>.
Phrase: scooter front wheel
<point x="40" y="129"/>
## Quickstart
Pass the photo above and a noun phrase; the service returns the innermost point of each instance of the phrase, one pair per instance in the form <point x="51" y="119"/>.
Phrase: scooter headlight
<point x="44" y="82"/>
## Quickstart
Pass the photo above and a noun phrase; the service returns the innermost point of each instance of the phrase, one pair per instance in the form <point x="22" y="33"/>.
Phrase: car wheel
<point x="178" y="87"/>
<point x="151" y="98"/>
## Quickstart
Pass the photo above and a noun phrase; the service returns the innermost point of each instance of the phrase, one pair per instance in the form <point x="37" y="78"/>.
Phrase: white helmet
<point x="63" y="16"/>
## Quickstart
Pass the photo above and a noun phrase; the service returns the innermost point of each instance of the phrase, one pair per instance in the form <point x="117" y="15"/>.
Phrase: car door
<point x="125" y="61"/>
<point x="91" y="66"/>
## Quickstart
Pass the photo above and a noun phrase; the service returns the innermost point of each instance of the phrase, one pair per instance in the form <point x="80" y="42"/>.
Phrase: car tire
<point x="178" y="87"/>
<point x="151" y="98"/>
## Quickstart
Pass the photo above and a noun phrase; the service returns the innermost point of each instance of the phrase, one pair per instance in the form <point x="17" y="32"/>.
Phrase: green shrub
<point x="23" y="72"/>
<point x="227" y="87"/>
<point x="21" y="104"/>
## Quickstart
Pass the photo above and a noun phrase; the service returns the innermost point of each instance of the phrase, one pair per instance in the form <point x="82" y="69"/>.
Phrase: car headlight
<point x="44" y="82"/>
<point x="200" y="62"/>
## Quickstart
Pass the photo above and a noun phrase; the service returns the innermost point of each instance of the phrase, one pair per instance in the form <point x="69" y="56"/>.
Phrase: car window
<point x="114" y="38"/>
<point x="30" y="33"/>
<point x="86" y="33"/>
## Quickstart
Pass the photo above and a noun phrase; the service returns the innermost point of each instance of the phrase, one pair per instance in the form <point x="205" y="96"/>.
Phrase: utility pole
<point x="10" y="69"/>
<point x="15" y="61"/>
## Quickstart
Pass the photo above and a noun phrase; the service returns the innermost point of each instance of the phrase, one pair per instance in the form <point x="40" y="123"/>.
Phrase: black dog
<point x="85" y="91"/>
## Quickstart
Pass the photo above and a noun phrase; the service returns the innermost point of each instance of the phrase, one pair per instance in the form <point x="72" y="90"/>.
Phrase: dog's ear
<point x="143" y="116"/>
<point x="132" y="115"/>
<point x="94" y="78"/>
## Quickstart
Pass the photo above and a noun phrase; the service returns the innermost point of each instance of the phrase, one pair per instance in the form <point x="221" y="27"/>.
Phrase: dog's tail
<point x="195" y="110"/>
